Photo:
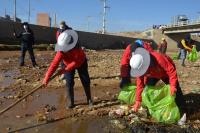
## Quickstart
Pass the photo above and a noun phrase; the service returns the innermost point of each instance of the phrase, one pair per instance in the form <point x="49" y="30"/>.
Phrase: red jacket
<point x="72" y="59"/>
<point x="163" y="68"/>
<point x="125" y="67"/>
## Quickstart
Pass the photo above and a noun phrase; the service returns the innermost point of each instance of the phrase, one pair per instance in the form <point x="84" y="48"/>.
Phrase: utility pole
<point x="5" y="12"/>
<point x="55" y="23"/>
<point x="14" y="11"/>
<point x="104" y="15"/>
<point x="88" y="23"/>
<point x="29" y="11"/>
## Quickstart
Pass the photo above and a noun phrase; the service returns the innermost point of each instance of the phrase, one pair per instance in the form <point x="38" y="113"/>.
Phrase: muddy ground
<point x="45" y="111"/>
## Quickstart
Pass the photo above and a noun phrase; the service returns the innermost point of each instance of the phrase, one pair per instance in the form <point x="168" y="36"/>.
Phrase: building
<point x="8" y="18"/>
<point x="43" y="19"/>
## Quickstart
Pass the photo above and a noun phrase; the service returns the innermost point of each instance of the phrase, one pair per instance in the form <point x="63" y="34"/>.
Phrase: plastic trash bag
<point x="161" y="105"/>
<point x="175" y="56"/>
<point x="193" y="55"/>
<point x="127" y="94"/>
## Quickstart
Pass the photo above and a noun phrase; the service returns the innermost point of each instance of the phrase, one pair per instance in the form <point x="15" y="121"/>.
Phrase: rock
<point x="8" y="128"/>
<point x="80" y="111"/>
<point x="194" y="82"/>
<point x="95" y="84"/>
<point x="111" y="114"/>
<point x="121" y="126"/>
<point x="120" y="112"/>
<point x="114" y="97"/>
<point x="8" y="61"/>
<point x="95" y="98"/>
<point x="73" y="120"/>
<point x="10" y="97"/>
<point x="115" y="122"/>
<point x="2" y="89"/>
<point x="103" y="101"/>
<point x="108" y="93"/>
<point x="22" y="81"/>
<point x="38" y="54"/>
<point x="40" y="116"/>
<point x="28" y="122"/>
<point x="94" y="112"/>
<point x="197" y="121"/>
<point x="185" y="75"/>
<point x="18" y="116"/>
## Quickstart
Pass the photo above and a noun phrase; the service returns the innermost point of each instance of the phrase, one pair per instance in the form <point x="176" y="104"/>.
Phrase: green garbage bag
<point x="193" y="55"/>
<point x="127" y="94"/>
<point x="161" y="105"/>
<point x="175" y="57"/>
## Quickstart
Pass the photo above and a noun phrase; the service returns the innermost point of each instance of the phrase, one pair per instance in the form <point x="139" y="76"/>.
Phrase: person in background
<point x="162" y="47"/>
<point x="62" y="28"/>
<point x="27" y="41"/>
<point x="125" y="66"/>
<point x="149" y="67"/>
<point x="185" y="45"/>
<point x="74" y="58"/>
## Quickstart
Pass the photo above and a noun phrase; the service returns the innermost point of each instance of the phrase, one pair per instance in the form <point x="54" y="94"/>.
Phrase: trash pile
<point x="126" y="112"/>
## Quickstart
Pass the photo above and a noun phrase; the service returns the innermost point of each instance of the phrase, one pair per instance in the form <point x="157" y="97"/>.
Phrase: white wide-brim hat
<point x="139" y="62"/>
<point x="67" y="40"/>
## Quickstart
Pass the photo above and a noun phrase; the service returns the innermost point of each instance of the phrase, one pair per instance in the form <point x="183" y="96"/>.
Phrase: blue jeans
<point x="85" y="80"/>
<point x="183" y="54"/>
<point x="25" y="48"/>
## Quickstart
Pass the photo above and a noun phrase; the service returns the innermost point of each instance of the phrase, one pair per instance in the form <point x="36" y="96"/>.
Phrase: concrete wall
<point x="46" y="35"/>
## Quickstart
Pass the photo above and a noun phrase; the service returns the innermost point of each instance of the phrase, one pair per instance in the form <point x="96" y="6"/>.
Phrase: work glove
<point x="172" y="91"/>
<point x="45" y="82"/>
<point x="136" y="106"/>
<point x="46" y="79"/>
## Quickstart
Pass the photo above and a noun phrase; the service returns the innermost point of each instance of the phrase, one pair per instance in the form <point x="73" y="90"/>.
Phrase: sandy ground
<point x="49" y="103"/>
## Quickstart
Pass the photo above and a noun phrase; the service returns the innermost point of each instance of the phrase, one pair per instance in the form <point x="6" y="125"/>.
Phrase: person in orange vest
<point x="162" y="47"/>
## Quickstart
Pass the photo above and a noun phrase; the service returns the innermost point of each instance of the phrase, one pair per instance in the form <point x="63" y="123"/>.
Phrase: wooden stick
<point x="29" y="93"/>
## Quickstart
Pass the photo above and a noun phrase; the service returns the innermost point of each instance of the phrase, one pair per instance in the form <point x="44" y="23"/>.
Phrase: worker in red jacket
<point x="125" y="66"/>
<point x="149" y="68"/>
<point x="74" y="58"/>
<point x="63" y="26"/>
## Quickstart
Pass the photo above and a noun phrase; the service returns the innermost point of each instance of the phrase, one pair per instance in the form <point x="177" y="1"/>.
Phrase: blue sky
<point x="123" y="15"/>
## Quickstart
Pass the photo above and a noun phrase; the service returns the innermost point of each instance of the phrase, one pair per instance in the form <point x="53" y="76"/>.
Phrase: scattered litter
<point x="18" y="116"/>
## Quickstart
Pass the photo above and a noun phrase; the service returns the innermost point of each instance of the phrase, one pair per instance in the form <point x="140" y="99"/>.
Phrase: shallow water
<point x="7" y="78"/>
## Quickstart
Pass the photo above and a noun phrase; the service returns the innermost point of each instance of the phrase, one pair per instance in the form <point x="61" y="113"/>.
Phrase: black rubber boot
<point x="34" y="64"/>
<point x="70" y="98"/>
<point x="88" y="95"/>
